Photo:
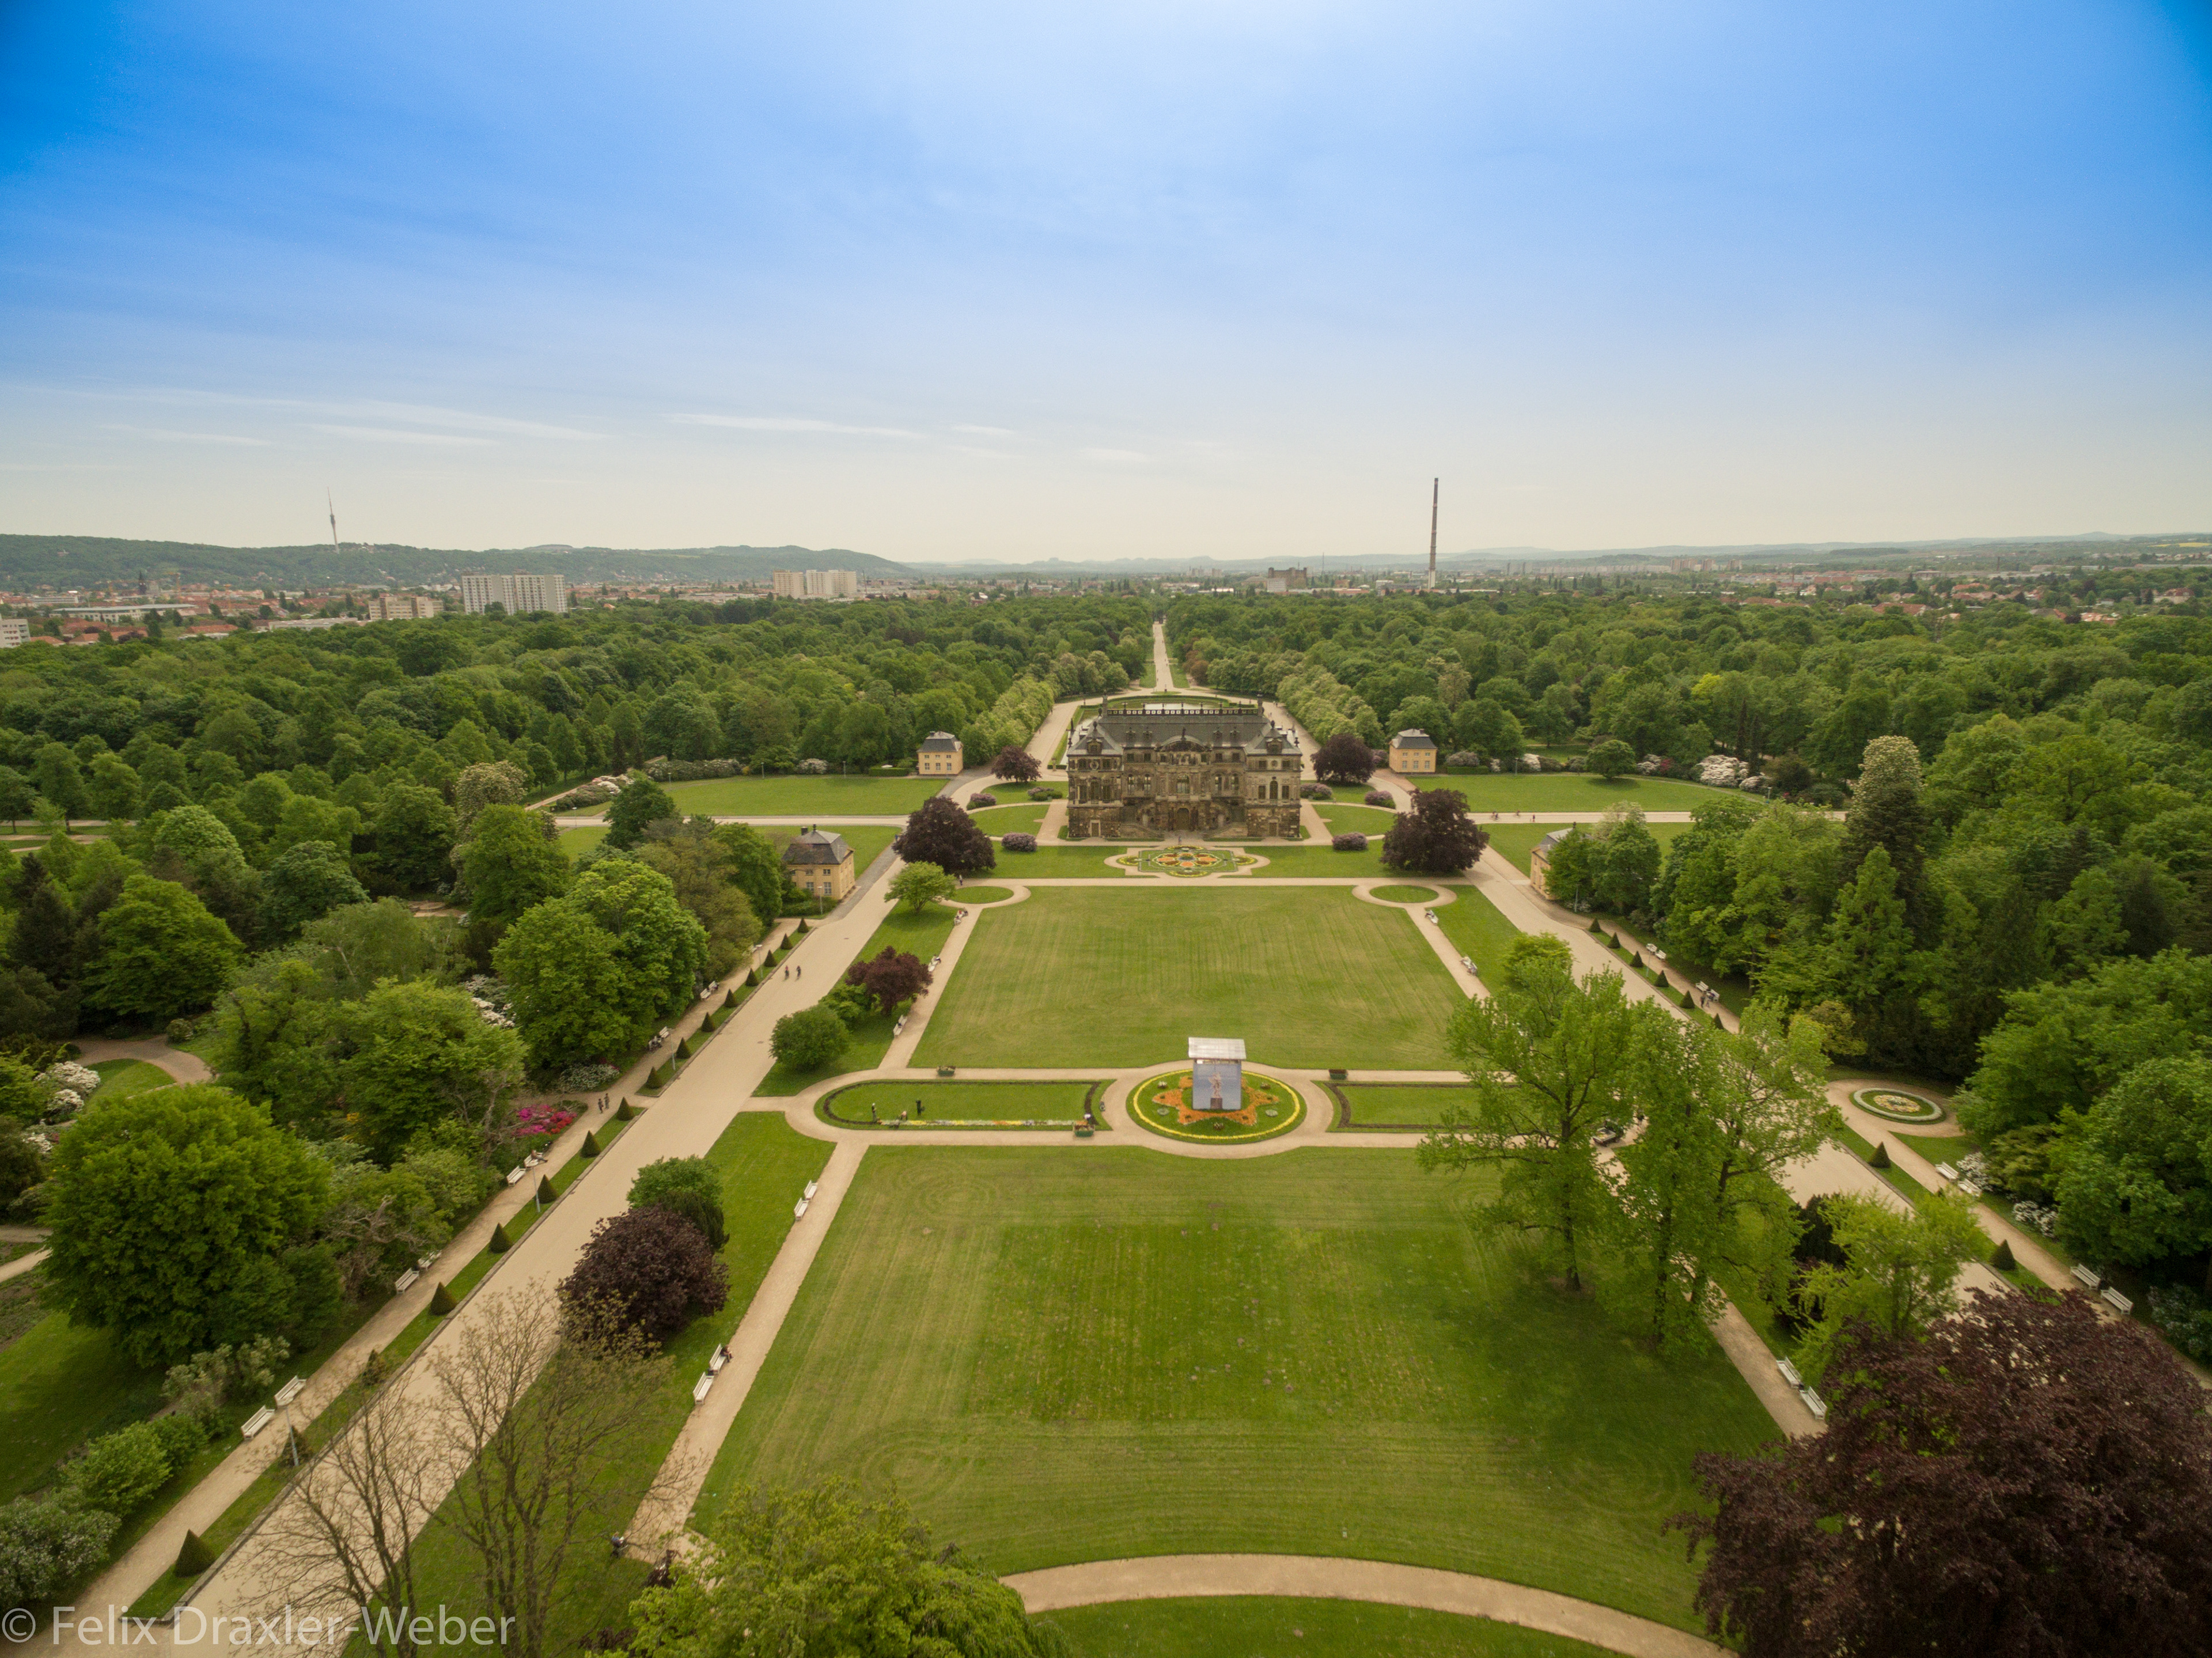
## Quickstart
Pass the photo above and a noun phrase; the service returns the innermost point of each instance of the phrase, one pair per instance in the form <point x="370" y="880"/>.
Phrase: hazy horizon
<point x="984" y="284"/>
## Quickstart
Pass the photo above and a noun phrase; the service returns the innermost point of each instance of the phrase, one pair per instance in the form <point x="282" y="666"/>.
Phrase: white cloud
<point x="790" y="423"/>
<point x="1112" y="456"/>
<point x="387" y="434"/>
<point x="988" y="431"/>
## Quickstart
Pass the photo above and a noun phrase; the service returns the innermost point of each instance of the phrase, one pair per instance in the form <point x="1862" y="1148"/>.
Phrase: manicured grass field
<point x="1022" y="819"/>
<point x="764" y="1166"/>
<point x="1343" y="819"/>
<point x="1317" y="859"/>
<point x="1400" y="1105"/>
<point x="922" y="935"/>
<point x="1061" y="1359"/>
<point x="958" y="1101"/>
<point x="1475" y="928"/>
<point x="1307" y="976"/>
<point x="578" y="842"/>
<point x="1405" y="895"/>
<point x="983" y="894"/>
<point x="1052" y="861"/>
<point x="791" y="797"/>
<point x="1247" y="1625"/>
<point x="1578" y="791"/>
<point x="121" y="1079"/>
<point x="60" y="1384"/>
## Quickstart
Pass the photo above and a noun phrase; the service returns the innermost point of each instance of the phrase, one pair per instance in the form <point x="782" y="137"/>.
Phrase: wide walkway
<point x="1327" y="1578"/>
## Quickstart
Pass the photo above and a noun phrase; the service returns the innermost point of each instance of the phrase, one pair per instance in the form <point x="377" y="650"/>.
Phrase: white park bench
<point x="1789" y="1373"/>
<point x="254" y="1423"/>
<point x="812" y="1186"/>
<point x="1815" y="1403"/>
<point x="699" y="1387"/>
<point x="2089" y="1278"/>
<point x="2116" y="1300"/>
<point x="1946" y="1171"/>
<point x="799" y="1210"/>
<point x="400" y="1283"/>
<point x="1972" y="1188"/>
<point x="514" y="1174"/>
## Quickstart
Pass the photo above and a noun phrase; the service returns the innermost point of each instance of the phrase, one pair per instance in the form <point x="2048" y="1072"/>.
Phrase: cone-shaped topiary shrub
<point x="752" y="979"/>
<point x="2002" y="1260"/>
<point x="193" y="1556"/>
<point x="441" y="1301"/>
<point x="591" y="1146"/>
<point x="659" y="1078"/>
<point x="1880" y="1158"/>
<point x="545" y="1192"/>
<point x="501" y="1243"/>
<point x="799" y="931"/>
<point x="625" y="1111"/>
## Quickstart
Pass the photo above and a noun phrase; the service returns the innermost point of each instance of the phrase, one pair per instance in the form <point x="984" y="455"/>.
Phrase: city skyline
<point x="1224" y="280"/>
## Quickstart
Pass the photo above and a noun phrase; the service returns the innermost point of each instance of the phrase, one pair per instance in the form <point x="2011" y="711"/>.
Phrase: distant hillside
<point x="83" y="561"/>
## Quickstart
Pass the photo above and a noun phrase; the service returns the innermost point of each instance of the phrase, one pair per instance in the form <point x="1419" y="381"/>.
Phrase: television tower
<point x="340" y="551"/>
<point x="1436" y="495"/>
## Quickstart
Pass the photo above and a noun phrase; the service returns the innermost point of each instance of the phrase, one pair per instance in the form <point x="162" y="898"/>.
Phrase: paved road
<point x="1178" y="1577"/>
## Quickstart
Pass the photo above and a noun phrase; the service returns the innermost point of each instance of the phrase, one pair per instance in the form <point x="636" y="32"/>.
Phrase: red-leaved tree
<point x="2027" y="1478"/>
<point x="940" y="833"/>
<point x="1343" y="759"/>
<point x="1435" y="838"/>
<point x="891" y="976"/>
<point x="1017" y="765"/>
<point x="650" y="1269"/>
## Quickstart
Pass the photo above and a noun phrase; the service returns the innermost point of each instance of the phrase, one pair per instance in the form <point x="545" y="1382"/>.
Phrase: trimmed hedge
<point x="625" y="1111"/>
<point x="1349" y="843"/>
<point x="545" y="1192"/>
<point x="1377" y="798"/>
<point x="658" y="1078"/>
<point x="977" y="802"/>
<point x="1018" y="843"/>
<point x="194" y="1557"/>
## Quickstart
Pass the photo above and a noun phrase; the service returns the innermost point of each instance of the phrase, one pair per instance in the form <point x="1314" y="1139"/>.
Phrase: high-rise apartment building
<point x="517" y="594"/>
<point x="818" y="584"/>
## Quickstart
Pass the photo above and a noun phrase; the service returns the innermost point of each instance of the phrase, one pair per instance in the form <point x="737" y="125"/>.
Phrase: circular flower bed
<point x="1191" y="860"/>
<point x="1893" y="1105"/>
<point x="1272" y="1107"/>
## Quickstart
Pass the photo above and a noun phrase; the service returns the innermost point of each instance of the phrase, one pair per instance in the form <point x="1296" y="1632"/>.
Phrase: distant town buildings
<point x="14" y="631"/>
<point x="816" y="583"/>
<point x="1285" y="582"/>
<point x="417" y="607"/>
<point x="518" y="594"/>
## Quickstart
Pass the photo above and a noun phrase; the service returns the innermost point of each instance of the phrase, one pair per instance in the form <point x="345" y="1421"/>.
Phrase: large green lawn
<point x="1577" y="791"/>
<point x="1317" y="859"/>
<point x="1475" y="928"/>
<point x="1061" y="1357"/>
<point x="1056" y="861"/>
<point x="59" y="1384"/>
<point x="1249" y="1626"/>
<point x="1400" y="1105"/>
<point x="1079" y="976"/>
<point x="790" y="797"/>
<point x="1022" y="819"/>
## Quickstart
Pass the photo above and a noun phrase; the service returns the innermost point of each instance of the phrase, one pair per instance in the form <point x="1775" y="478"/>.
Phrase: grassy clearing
<point x="1023" y="819"/>
<point x="983" y="895"/>
<point x="1306" y="976"/>
<point x="1401" y="1105"/>
<point x="1082" y="860"/>
<point x="1476" y="928"/>
<point x="1320" y="858"/>
<point x="763" y="1166"/>
<point x="120" y="1079"/>
<point x="59" y="1385"/>
<point x="943" y="1104"/>
<point x="795" y="796"/>
<point x="1244" y="1624"/>
<point x="578" y="842"/>
<point x="1346" y="819"/>
<point x="922" y="935"/>
<point x="1405" y="895"/>
<point x="1060" y="1359"/>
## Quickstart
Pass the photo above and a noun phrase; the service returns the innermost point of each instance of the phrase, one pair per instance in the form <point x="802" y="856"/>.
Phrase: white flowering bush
<point x="79" y="1079"/>
<point x="583" y="1079"/>
<point x="64" y="1102"/>
<point x="2040" y="1216"/>
<point x="491" y="997"/>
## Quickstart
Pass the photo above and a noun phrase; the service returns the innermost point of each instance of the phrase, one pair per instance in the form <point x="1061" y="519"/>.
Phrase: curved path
<point x="184" y="1066"/>
<point x="1178" y="1577"/>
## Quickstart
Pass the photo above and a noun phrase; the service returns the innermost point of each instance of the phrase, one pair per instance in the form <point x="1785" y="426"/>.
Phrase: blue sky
<point x="1153" y="279"/>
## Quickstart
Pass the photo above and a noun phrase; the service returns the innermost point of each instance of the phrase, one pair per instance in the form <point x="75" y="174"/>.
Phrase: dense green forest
<point x="2017" y="896"/>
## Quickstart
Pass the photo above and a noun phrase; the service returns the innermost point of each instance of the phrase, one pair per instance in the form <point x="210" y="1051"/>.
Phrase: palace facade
<point x="1142" y="772"/>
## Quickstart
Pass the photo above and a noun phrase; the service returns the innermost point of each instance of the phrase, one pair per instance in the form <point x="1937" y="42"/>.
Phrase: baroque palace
<point x="1138" y="772"/>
